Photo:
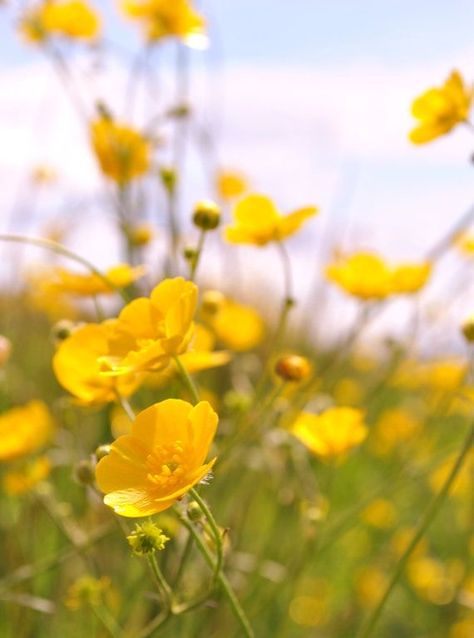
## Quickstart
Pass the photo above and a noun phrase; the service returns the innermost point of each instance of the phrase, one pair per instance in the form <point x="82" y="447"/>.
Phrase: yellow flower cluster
<point x="73" y="19"/>
<point x="368" y="277"/>
<point x="24" y="430"/>
<point x="164" y="19"/>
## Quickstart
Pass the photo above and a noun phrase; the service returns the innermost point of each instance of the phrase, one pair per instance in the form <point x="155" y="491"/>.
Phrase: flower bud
<point x="194" y="512"/>
<point x="292" y="367"/>
<point x="84" y="472"/>
<point x="101" y="451"/>
<point x="168" y="178"/>
<point x="212" y="302"/>
<point x="190" y="253"/>
<point x="147" y="538"/>
<point x="140" y="235"/>
<point x="467" y="328"/>
<point x="62" y="330"/>
<point x="207" y="215"/>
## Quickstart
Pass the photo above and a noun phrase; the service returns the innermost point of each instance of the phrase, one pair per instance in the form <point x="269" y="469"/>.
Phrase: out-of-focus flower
<point x="257" y="221"/>
<point x="348" y="391"/>
<point x="86" y="285"/>
<point x="462" y="487"/>
<point x="308" y="611"/>
<point x="440" y="375"/>
<point x="151" y="331"/>
<point x="462" y="628"/>
<point x="87" y="591"/>
<point x="430" y="579"/>
<point x="230" y="185"/>
<point x="164" y="19"/>
<point x="441" y="109"/>
<point x="396" y="426"/>
<point x="148" y="470"/>
<point x="465" y="243"/>
<point x="42" y="175"/>
<point x="23" y="480"/>
<point x="141" y="234"/>
<point x="73" y="19"/>
<point x="237" y="326"/>
<point x="369" y="277"/>
<point x="332" y="433"/>
<point x="5" y="350"/>
<point x="370" y="581"/>
<point x="380" y="513"/>
<point x="24" y="429"/>
<point x="122" y="152"/>
<point x="77" y="366"/>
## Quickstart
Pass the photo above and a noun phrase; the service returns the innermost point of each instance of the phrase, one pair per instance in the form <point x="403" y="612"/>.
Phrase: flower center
<point x="167" y="466"/>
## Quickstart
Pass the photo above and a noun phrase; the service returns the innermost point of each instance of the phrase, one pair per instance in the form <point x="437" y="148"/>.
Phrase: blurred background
<point x="309" y="99"/>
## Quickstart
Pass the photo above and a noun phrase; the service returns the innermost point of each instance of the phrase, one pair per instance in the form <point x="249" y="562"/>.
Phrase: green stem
<point x="184" y="559"/>
<point x="53" y="246"/>
<point x="187" y="380"/>
<point x="226" y="586"/>
<point x="214" y="528"/>
<point x="165" y="589"/>
<point x="107" y="620"/>
<point x="430" y="513"/>
<point x="197" y="257"/>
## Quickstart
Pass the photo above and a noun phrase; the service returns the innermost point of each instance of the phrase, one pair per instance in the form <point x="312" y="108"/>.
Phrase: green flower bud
<point x="207" y="215"/>
<point x="147" y="538"/>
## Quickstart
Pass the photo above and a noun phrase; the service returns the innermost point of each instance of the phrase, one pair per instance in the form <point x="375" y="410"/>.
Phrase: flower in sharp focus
<point x="24" y="429"/>
<point x="150" y="469"/>
<point x="151" y="331"/>
<point x="332" y="433"/>
<point x="257" y="221"/>
<point x="441" y="109"/>
<point x="77" y="366"/>
<point x="123" y="153"/>
<point x="164" y="19"/>
<point x="72" y="19"/>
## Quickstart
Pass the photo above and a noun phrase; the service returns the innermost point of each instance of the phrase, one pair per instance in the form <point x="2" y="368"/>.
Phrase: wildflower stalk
<point x="197" y="256"/>
<point x="184" y="559"/>
<point x="59" y="249"/>
<point x="108" y="621"/>
<point x="165" y="589"/>
<point x="222" y="579"/>
<point x="187" y="380"/>
<point x="288" y="299"/>
<point x="214" y="529"/>
<point x="368" y="628"/>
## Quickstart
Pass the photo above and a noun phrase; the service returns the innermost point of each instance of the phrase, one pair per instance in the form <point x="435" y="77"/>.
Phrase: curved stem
<point x="214" y="528"/>
<point x="59" y="249"/>
<point x="197" y="257"/>
<point x="187" y="380"/>
<point x="368" y="628"/>
<point x="226" y="586"/>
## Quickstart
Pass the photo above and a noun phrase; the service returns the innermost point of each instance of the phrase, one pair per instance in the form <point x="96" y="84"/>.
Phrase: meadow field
<point x="222" y="415"/>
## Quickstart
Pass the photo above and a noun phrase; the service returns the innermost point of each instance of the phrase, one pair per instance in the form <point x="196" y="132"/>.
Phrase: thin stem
<point x="214" y="528"/>
<point x="59" y="249"/>
<point x="430" y="513"/>
<point x="184" y="559"/>
<point x="127" y="408"/>
<point x="165" y="589"/>
<point x="107" y="620"/>
<point x="226" y="586"/>
<point x="187" y="380"/>
<point x="197" y="257"/>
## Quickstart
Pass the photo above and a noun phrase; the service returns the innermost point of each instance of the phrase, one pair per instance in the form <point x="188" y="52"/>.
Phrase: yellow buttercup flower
<point x="441" y="109"/>
<point x="23" y="480"/>
<point x="151" y="331"/>
<point x="85" y="285"/>
<point x="396" y="426"/>
<point x="78" y="369"/>
<point x="257" y="221"/>
<point x="148" y="470"/>
<point x="237" y="326"/>
<point x="230" y="185"/>
<point x="332" y="433"/>
<point x="465" y="243"/>
<point x="122" y="152"/>
<point x="24" y="429"/>
<point x="368" y="277"/>
<point x="73" y="19"/>
<point x="164" y="19"/>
